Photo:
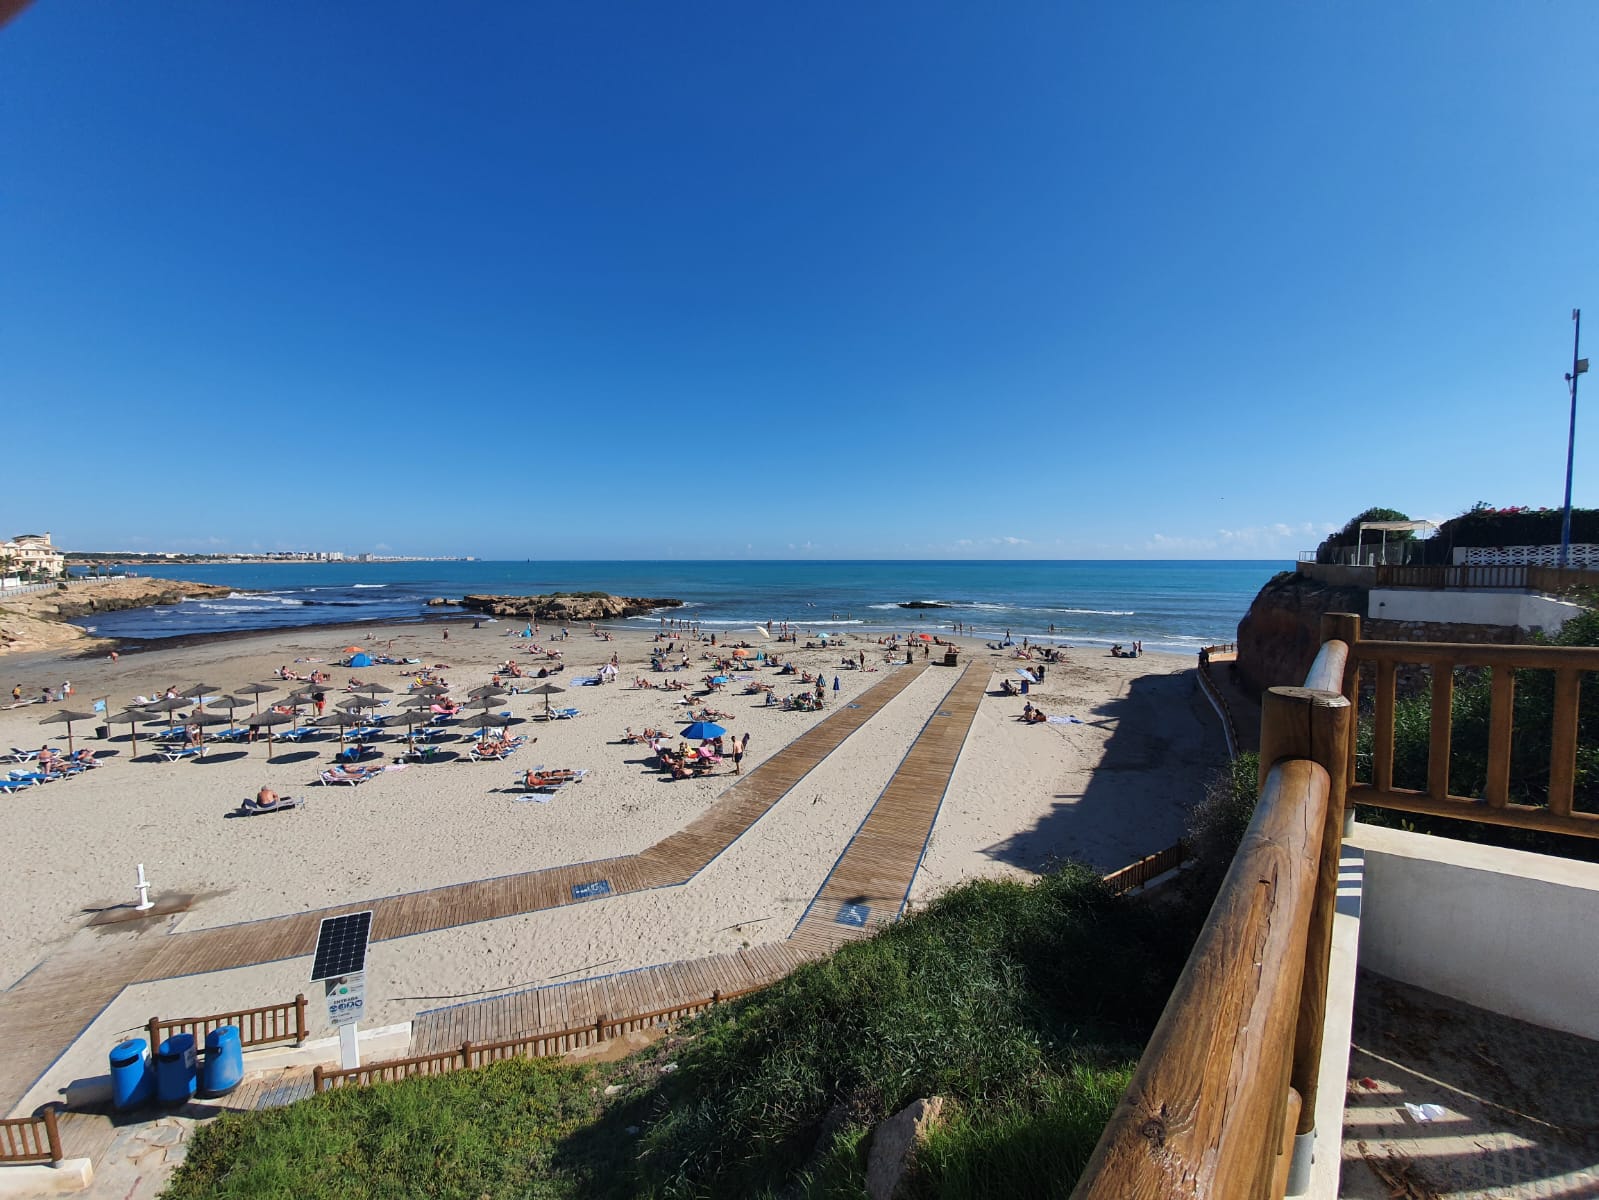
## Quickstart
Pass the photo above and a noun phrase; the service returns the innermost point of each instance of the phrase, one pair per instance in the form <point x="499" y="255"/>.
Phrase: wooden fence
<point x="31" y="1139"/>
<point x="534" y="1045"/>
<point x="1373" y="783"/>
<point x="1141" y="872"/>
<point x="257" y="1026"/>
<point x="1217" y="697"/>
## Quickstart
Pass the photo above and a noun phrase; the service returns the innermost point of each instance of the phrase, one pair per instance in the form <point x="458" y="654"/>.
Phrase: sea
<point x="1175" y="606"/>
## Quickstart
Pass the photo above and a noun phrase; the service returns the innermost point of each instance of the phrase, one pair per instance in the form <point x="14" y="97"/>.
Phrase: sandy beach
<point x="1107" y="790"/>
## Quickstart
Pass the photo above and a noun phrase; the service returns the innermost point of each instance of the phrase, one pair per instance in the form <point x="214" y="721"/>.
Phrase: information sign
<point x="346" y="997"/>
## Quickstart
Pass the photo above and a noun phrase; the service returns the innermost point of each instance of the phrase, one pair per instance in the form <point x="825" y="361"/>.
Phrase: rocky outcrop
<point x="39" y="620"/>
<point x="894" y="1143"/>
<point x="566" y="606"/>
<point x="1281" y="633"/>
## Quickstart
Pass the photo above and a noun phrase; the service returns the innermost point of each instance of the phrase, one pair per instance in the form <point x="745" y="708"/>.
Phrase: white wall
<point x="1508" y="931"/>
<point x="1471" y="608"/>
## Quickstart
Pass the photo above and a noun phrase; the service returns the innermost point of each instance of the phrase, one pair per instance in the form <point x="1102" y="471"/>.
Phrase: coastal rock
<point x="441" y="602"/>
<point x="39" y="620"/>
<point x="895" y="1141"/>
<point x="566" y="606"/>
<point x="1281" y="633"/>
<point x="922" y="604"/>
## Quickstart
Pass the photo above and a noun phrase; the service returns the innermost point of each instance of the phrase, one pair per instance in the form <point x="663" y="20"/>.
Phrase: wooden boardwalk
<point x="868" y="886"/>
<point x="870" y="882"/>
<point x="49" y="1008"/>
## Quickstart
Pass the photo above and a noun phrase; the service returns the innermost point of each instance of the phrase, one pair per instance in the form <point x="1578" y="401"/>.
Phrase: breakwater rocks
<point x="41" y="620"/>
<point x="566" y="606"/>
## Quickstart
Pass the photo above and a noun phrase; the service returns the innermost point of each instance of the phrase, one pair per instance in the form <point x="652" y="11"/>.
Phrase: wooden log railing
<point x="469" y="1055"/>
<point x="1376" y="785"/>
<point x="1225" y="1093"/>
<point x="257" y="1026"/>
<point x="32" y="1139"/>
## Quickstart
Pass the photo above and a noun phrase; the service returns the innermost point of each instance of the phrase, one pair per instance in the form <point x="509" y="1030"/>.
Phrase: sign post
<point x="340" y="966"/>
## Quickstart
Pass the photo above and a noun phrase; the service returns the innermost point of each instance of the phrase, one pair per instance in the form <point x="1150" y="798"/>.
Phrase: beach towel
<point x="585" y="681"/>
<point x="1063" y="721"/>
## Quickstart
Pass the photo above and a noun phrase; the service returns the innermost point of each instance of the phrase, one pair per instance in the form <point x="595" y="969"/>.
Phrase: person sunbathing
<point x="1036" y="717"/>
<point x="266" y="798"/>
<point x="84" y="758"/>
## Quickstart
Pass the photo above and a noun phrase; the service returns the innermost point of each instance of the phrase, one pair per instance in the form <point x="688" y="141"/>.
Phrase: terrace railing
<point x="257" y="1026"/>
<point x="35" y="1139"/>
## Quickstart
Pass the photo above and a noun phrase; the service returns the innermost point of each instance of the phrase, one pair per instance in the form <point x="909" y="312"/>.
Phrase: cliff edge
<point x="40" y="620"/>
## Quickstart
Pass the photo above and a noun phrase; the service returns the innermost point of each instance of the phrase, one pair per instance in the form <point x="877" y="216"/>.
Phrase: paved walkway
<point x="865" y="889"/>
<point x="49" y="1008"/>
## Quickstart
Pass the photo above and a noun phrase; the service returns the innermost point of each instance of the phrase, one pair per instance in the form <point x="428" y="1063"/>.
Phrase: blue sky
<point x="920" y="280"/>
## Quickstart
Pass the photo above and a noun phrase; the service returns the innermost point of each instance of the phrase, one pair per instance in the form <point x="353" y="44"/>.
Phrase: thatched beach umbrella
<point x="257" y="690"/>
<point x="230" y="703"/>
<point x="375" y="689"/>
<point x="66" y="717"/>
<point x="131" y="718"/>
<point x="201" y="690"/>
<point x="430" y="689"/>
<point x="546" y="690"/>
<point x="159" y="707"/>
<point x="488" y="689"/>
<point x="268" y="720"/>
<point x="490" y="720"/>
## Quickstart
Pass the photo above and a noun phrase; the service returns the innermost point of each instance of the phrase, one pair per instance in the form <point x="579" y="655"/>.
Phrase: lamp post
<point x="1578" y="367"/>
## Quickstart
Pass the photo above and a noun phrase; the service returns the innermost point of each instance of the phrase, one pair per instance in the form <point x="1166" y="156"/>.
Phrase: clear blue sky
<point x="585" y="280"/>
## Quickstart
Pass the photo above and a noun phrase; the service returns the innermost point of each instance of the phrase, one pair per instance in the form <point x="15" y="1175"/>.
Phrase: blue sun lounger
<point x="174" y="753"/>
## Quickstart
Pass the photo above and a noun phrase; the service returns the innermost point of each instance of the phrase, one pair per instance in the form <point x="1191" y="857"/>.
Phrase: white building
<point x="31" y="554"/>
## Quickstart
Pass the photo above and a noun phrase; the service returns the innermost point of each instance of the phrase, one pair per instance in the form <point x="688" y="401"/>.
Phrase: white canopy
<point x="1397" y="526"/>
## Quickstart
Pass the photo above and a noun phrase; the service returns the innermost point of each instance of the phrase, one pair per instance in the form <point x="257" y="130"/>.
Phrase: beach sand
<point x="1107" y="791"/>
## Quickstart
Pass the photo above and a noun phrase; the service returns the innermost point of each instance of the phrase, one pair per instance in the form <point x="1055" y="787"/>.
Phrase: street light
<point x="1579" y="366"/>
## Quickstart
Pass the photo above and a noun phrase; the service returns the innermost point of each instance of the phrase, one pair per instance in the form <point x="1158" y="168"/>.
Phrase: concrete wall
<point x="1516" y="609"/>
<point x="1508" y="931"/>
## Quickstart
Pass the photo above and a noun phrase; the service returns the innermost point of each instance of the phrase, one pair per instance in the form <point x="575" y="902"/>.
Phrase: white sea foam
<point x="369" y="585"/>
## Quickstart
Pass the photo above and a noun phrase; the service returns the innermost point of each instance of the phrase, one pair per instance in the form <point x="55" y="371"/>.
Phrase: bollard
<point x="145" y="903"/>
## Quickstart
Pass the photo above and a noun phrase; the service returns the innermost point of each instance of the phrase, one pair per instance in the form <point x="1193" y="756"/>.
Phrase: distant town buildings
<point x="30" y="555"/>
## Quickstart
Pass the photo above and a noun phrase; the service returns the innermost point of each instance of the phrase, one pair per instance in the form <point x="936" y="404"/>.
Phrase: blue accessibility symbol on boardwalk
<point x="853" y="914"/>
<point x="588" y="891"/>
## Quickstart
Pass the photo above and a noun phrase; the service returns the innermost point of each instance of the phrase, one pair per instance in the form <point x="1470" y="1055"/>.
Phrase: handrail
<point x="257" y="1026"/>
<point x="31" y="1139"/>
<point x="1205" y="1112"/>
<point x="1151" y="866"/>
<point x="1377" y="787"/>
<point x="469" y="1055"/>
<point x="1218" y="699"/>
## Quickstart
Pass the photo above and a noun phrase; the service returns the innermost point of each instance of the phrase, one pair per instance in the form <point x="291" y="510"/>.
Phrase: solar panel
<point x="341" y="946"/>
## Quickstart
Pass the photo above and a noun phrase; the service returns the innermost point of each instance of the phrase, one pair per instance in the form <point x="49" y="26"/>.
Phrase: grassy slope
<point x="1026" y="1005"/>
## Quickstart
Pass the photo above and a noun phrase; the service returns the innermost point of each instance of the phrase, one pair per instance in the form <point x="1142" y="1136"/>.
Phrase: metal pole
<point x="1571" y="436"/>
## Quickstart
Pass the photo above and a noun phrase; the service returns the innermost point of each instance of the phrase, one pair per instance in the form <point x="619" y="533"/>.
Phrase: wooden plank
<point x="1563" y="748"/>
<point x="1502" y="691"/>
<point x="1382" y="764"/>
<point x="1443" y="705"/>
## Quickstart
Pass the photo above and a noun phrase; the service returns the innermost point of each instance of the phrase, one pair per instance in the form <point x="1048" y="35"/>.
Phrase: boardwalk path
<point x="50" y="1007"/>
<point x="866" y="888"/>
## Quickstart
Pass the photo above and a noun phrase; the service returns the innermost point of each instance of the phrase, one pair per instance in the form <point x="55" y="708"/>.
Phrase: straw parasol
<point x="66" y="717"/>
<point x="131" y="718"/>
<point x="257" y="690"/>
<point x="493" y="720"/>
<point x="230" y="703"/>
<point x="488" y="689"/>
<point x="375" y="689"/>
<point x="201" y="690"/>
<point x="546" y="690"/>
<point x="267" y="720"/>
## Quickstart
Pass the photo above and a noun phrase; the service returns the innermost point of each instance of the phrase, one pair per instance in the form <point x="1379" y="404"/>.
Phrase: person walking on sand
<point x="738" y="757"/>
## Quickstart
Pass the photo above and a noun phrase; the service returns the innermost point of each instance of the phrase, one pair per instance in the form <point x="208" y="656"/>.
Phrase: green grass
<point x="1025" y="1005"/>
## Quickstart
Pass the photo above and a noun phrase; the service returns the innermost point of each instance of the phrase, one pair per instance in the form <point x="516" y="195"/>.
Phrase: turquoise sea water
<point x="1176" y="606"/>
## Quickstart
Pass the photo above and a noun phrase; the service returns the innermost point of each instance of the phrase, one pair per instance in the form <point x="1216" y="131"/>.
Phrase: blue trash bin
<point x="1024" y="687"/>
<point x="224" y="1061"/>
<point x="131" y="1079"/>
<point x="175" y="1067"/>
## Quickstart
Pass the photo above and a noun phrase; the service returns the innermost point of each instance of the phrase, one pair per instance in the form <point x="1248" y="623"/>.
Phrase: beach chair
<point x="541" y="780"/>
<point x="250" y="808"/>
<point x="353" y="776"/>
<point x="20" y="755"/>
<point x="16" y="785"/>
<point x="564" y="714"/>
<point x="173" y="753"/>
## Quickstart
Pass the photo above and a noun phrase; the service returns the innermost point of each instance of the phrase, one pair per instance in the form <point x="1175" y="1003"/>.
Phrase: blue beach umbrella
<point x="703" y="731"/>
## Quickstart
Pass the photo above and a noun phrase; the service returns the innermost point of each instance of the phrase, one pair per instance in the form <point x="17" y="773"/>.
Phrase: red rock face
<point x="1281" y="633"/>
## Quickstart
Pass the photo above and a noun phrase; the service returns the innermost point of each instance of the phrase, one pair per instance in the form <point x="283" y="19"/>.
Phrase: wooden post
<point x="1285" y="1152"/>
<point x="155" y="1034"/>
<point x="52" y="1132"/>
<point x="1315" y="725"/>
<point x="599" y="1028"/>
<point x="299" y="1019"/>
<point x="316" y="1079"/>
<point x="466" y="1056"/>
